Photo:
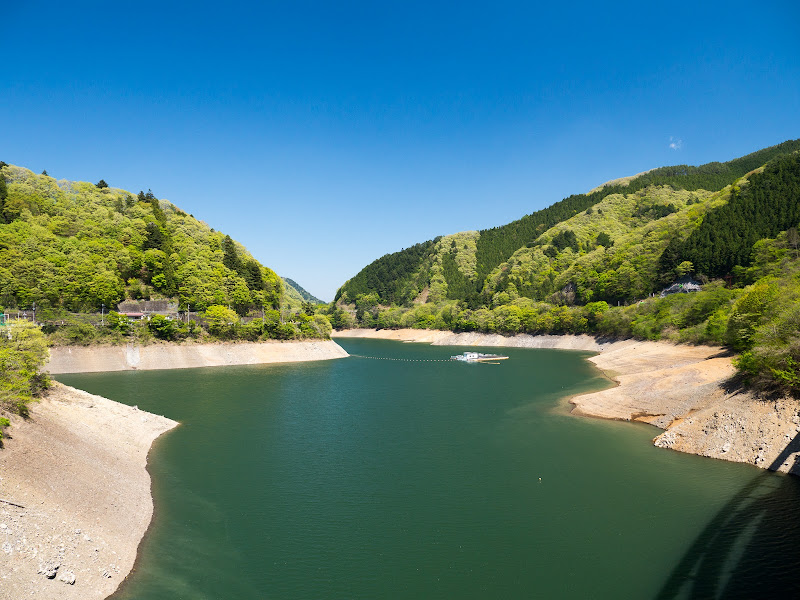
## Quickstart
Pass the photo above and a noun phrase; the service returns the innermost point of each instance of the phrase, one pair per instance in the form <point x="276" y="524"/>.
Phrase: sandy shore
<point x="92" y="359"/>
<point x="680" y="389"/>
<point x="75" y="473"/>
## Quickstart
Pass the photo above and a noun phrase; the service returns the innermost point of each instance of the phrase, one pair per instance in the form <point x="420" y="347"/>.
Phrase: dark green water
<point x="361" y="478"/>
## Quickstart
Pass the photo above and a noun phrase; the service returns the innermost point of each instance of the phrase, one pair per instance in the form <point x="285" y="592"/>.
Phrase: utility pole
<point x="103" y="315"/>
<point x="34" y="313"/>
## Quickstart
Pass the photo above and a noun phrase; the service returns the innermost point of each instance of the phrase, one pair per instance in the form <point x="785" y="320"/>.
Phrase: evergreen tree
<point x="3" y="196"/>
<point x="231" y="258"/>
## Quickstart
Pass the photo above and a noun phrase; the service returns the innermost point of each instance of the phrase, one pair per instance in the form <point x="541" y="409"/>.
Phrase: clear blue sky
<point x="323" y="135"/>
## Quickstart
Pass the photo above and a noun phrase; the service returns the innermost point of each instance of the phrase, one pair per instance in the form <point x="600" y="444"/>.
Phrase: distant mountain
<point x="78" y="246"/>
<point x="294" y="289"/>
<point x="542" y="252"/>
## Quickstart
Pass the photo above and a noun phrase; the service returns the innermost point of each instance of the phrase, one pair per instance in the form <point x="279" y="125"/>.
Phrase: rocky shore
<point x="75" y="496"/>
<point x="684" y="390"/>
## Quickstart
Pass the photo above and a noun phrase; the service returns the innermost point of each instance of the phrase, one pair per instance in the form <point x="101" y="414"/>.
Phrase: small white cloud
<point x="675" y="143"/>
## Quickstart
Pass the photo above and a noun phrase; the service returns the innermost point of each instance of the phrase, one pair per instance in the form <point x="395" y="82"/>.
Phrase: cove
<point x="364" y="478"/>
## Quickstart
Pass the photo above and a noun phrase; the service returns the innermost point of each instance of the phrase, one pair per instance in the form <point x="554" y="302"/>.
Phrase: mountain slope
<point x="401" y="277"/>
<point x="297" y="293"/>
<point x="78" y="246"/>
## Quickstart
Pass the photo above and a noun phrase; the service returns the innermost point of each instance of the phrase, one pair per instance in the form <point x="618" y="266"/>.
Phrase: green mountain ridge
<point x="597" y="263"/>
<point x="401" y="277"/>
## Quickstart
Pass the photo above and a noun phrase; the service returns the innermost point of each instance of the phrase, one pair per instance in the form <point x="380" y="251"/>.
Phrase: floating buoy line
<point x="402" y="359"/>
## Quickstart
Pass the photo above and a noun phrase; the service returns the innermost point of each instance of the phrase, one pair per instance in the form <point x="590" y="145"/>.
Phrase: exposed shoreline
<point x="77" y="468"/>
<point x="64" y="465"/>
<point x="97" y="359"/>
<point x="677" y="388"/>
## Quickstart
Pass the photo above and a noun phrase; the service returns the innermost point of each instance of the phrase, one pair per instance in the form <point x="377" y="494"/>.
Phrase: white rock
<point x="67" y="577"/>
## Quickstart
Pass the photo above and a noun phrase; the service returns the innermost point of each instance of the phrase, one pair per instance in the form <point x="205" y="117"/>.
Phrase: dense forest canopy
<point x="398" y="278"/>
<point x="392" y="276"/>
<point x="79" y="246"/>
<point x="768" y="205"/>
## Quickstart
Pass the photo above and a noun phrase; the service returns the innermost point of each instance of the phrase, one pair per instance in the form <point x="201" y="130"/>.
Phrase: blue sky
<point x="323" y="135"/>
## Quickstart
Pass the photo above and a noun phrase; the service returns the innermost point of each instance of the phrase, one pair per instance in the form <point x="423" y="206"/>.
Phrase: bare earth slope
<point x="77" y="470"/>
<point x="681" y="389"/>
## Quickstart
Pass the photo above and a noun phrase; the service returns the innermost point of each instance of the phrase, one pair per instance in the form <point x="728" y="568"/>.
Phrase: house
<point x="133" y="316"/>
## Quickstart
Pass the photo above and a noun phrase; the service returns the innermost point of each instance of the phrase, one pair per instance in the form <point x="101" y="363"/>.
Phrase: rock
<point x="7" y="548"/>
<point x="49" y="569"/>
<point x="67" y="577"/>
<point x="726" y="446"/>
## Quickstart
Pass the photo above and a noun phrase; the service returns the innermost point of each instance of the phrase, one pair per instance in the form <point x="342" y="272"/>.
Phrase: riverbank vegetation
<point x="23" y="352"/>
<point x="602" y="263"/>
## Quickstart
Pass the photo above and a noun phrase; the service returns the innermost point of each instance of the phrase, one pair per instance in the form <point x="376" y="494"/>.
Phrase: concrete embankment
<point x="91" y="359"/>
<point x="680" y="389"/>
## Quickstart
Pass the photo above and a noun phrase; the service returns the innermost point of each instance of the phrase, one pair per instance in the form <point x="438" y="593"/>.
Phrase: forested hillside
<point x="74" y="250"/>
<point x="400" y="277"/>
<point x="726" y="237"/>
<point x="596" y="263"/>
<point x="78" y="246"/>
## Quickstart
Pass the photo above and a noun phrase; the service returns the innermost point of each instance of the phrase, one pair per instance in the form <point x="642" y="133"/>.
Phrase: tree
<point x="45" y="173"/>
<point x="155" y="237"/>
<point x="221" y="320"/>
<point x="118" y="322"/>
<point x="603" y="239"/>
<point x="793" y="238"/>
<point x="3" y="196"/>
<point x="231" y="258"/>
<point x="21" y="357"/>
<point x="162" y="327"/>
<point x="684" y="268"/>
<point x="101" y="184"/>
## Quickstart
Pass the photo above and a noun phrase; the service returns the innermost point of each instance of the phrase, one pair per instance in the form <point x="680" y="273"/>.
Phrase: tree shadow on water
<point x="751" y="548"/>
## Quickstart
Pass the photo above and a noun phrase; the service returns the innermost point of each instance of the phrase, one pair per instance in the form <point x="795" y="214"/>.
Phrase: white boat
<point x="478" y="357"/>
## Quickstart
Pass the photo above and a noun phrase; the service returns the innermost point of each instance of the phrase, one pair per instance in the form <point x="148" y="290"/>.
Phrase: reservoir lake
<point x="398" y="474"/>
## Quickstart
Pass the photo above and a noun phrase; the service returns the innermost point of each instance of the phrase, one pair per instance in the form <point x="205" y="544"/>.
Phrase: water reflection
<point x="751" y="549"/>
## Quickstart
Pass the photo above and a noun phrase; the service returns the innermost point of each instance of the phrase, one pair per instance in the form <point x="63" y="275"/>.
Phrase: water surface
<point x="363" y="478"/>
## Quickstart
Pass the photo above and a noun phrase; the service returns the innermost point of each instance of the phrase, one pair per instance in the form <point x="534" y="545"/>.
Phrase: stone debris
<point x="49" y="569"/>
<point x="67" y="577"/>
